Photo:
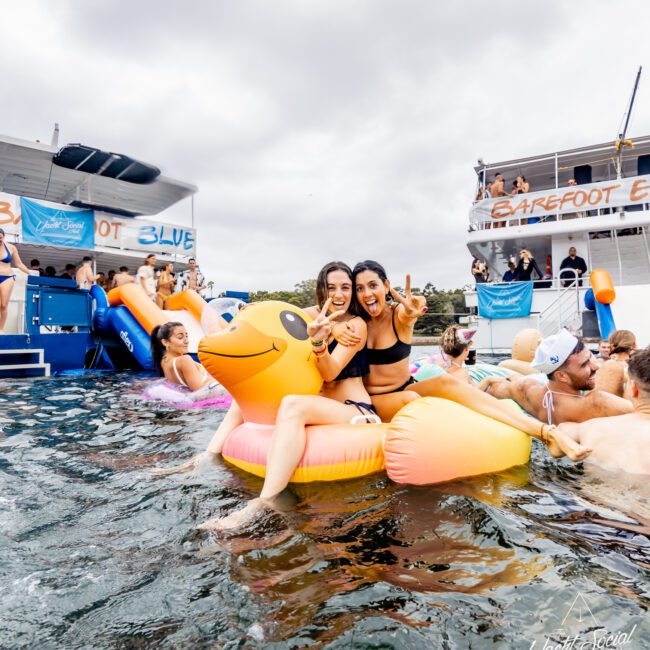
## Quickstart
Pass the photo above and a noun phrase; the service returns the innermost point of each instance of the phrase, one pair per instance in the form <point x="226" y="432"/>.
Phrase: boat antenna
<point x="621" y="142"/>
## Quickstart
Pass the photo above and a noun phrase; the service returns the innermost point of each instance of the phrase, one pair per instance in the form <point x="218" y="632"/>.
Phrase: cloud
<point x="325" y="130"/>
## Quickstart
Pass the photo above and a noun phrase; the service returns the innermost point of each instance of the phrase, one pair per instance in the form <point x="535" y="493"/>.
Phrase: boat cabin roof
<point x="117" y="184"/>
<point x="540" y="171"/>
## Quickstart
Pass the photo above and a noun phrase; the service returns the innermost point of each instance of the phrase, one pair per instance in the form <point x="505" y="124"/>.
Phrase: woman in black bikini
<point x="8" y="257"/>
<point x="343" y="395"/>
<point x="390" y="383"/>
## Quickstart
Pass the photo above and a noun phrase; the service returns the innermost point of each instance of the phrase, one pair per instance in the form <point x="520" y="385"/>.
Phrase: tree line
<point x="444" y="307"/>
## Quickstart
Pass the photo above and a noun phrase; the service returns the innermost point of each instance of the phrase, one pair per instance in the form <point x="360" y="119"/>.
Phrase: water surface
<point x="98" y="553"/>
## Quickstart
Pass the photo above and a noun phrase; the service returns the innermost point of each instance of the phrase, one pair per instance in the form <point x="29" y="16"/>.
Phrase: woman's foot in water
<point x="239" y="518"/>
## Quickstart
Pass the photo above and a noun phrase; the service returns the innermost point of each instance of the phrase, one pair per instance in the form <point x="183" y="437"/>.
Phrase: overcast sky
<point x="320" y="130"/>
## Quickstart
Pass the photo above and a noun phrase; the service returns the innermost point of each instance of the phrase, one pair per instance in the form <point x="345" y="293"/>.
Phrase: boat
<point x="59" y="204"/>
<point x="604" y="215"/>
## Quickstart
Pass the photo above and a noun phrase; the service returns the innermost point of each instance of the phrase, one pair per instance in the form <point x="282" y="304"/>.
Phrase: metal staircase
<point x="563" y="312"/>
<point x="23" y="363"/>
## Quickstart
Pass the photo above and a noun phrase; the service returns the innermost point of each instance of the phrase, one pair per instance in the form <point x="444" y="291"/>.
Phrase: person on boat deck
<point x="191" y="278"/>
<point x="123" y="277"/>
<point x="169" y="349"/>
<point x="612" y="376"/>
<point x="526" y="266"/>
<point x="342" y="398"/>
<point x="101" y="280"/>
<point x="511" y="274"/>
<point x="479" y="271"/>
<point x="8" y="257"/>
<point x="146" y="276"/>
<point x="69" y="273"/>
<point x="389" y="381"/>
<point x="573" y="261"/>
<point x="498" y="186"/>
<point x="621" y="442"/>
<point x="35" y="265"/>
<point x="50" y="272"/>
<point x="165" y="284"/>
<point x="456" y="344"/>
<point x="569" y="395"/>
<point x="110" y="280"/>
<point x="85" y="276"/>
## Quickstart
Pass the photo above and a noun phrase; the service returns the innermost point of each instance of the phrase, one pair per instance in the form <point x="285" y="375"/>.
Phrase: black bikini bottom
<point x="410" y="382"/>
<point x="363" y="407"/>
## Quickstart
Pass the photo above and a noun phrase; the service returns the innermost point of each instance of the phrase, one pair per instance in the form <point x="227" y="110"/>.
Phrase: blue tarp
<point x="512" y="300"/>
<point x="57" y="227"/>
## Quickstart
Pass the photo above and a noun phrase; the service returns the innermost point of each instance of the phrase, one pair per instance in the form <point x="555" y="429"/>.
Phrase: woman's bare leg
<point x="448" y="387"/>
<point x="5" y="295"/>
<point x="230" y="422"/>
<point x="287" y="448"/>
<point x="387" y="405"/>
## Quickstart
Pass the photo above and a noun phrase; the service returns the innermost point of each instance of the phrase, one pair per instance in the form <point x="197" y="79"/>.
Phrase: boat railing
<point x="564" y="310"/>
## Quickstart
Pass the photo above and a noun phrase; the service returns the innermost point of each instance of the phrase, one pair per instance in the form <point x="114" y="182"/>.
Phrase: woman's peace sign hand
<point x="321" y="327"/>
<point x="414" y="306"/>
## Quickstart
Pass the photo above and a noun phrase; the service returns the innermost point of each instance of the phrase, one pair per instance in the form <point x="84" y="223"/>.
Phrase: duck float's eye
<point x="295" y="325"/>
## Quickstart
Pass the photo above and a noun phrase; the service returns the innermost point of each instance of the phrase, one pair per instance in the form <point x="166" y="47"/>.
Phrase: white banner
<point x="112" y="231"/>
<point x="140" y="235"/>
<point x="576" y="198"/>
<point x="10" y="214"/>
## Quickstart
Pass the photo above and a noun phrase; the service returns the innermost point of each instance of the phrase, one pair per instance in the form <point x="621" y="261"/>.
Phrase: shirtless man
<point x="85" y="276"/>
<point x="123" y="277"/>
<point x="498" y="187"/>
<point x="621" y="442"/>
<point x="571" y="370"/>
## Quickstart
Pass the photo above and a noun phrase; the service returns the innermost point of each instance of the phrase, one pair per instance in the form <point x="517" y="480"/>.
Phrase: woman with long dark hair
<point x="342" y="398"/>
<point x="9" y="257"/>
<point x="390" y="325"/>
<point x="169" y="350"/>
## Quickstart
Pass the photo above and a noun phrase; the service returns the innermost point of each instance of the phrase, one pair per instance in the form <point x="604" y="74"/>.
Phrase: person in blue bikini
<point x="8" y="257"/>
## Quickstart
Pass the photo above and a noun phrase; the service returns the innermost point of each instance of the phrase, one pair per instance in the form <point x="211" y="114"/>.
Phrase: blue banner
<point x="511" y="300"/>
<point x="57" y="227"/>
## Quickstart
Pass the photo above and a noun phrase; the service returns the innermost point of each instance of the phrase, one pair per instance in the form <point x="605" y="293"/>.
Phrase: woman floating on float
<point x="390" y="384"/>
<point x="186" y="382"/>
<point x="342" y="398"/>
<point x="265" y="357"/>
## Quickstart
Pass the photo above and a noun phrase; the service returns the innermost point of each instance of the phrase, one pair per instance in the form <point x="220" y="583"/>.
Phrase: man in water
<point x="603" y="350"/>
<point x="621" y="442"/>
<point x="569" y="395"/>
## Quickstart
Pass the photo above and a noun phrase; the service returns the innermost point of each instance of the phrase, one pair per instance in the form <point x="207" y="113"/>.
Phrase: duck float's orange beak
<point x="239" y="352"/>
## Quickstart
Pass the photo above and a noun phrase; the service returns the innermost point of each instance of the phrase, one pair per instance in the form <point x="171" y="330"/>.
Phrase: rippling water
<point x="98" y="553"/>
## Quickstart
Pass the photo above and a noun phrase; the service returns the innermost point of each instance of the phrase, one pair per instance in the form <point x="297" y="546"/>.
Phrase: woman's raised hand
<point x="414" y="306"/>
<point x="321" y="327"/>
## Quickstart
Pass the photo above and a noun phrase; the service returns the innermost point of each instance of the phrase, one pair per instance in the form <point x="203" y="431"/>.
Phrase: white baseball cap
<point x="553" y="351"/>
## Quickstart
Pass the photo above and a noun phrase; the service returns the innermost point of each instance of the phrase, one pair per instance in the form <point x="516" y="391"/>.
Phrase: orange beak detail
<point x="239" y="352"/>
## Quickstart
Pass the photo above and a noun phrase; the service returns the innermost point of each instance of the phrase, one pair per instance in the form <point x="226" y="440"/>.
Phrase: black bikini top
<point x="357" y="366"/>
<point x="396" y="352"/>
